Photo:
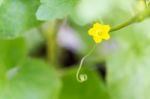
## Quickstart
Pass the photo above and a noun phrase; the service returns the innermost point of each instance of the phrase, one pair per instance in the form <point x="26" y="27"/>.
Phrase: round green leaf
<point x="34" y="80"/>
<point x="16" y="16"/>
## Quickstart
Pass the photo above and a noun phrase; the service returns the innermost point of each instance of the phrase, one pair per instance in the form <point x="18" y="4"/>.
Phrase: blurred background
<point x="43" y="41"/>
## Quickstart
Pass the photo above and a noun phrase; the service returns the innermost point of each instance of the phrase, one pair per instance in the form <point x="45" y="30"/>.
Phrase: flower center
<point x="99" y="32"/>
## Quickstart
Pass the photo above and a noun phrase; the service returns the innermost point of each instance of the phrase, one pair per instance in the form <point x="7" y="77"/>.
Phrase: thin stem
<point x="137" y="18"/>
<point x="122" y="25"/>
<point x="83" y="77"/>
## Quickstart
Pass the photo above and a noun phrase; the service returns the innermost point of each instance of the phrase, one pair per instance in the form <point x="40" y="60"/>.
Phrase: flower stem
<point x="137" y="18"/>
<point x="122" y="25"/>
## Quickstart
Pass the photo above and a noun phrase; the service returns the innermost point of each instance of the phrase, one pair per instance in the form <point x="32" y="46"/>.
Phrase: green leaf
<point x="92" y="88"/>
<point x="90" y="11"/>
<point x="12" y="52"/>
<point x="17" y="16"/>
<point x="34" y="80"/>
<point x="128" y="76"/>
<point x="1" y="1"/>
<point x="128" y="68"/>
<point x="55" y="9"/>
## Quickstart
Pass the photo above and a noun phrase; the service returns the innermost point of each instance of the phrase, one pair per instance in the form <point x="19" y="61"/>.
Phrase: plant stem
<point x="137" y="18"/>
<point x="51" y="36"/>
<point x="122" y="25"/>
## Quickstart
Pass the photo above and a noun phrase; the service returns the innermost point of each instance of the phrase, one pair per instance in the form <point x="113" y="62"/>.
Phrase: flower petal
<point x="106" y="36"/>
<point x="97" y="25"/>
<point x="99" y="32"/>
<point x="91" y="32"/>
<point x="97" y="39"/>
<point x="106" y="28"/>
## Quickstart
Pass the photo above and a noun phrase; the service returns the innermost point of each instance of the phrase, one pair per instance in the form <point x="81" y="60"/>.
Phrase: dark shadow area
<point x="39" y="52"/>
<point x="101" y="68"/>
<point x="68" y="58"/>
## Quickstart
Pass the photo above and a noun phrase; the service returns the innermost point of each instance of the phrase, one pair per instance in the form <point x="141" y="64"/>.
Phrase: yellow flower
<point x="99" y="32"/>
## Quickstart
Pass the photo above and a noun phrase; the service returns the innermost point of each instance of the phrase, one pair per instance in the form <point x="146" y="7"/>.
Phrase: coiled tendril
<point x="83" y="77"/>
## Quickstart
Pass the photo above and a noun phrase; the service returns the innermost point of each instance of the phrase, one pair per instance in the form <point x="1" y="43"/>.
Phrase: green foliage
<point x="55" y="9"/>
<point x="128" y="68"/>
<point x="94" y="87"/>
<point x="33" y="80"/>
<point x="127" y="54"/>
<point x="12" y="52"/>
<point x="1" y="1"/>
<point x="17" y="16"/>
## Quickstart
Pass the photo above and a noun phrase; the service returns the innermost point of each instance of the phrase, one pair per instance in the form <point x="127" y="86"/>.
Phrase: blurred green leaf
<point x="12" y="52"/>
<point x="89" y="11"/>
<point x="94" y="87"/>
<point x="55" y="9"/>
<point x="34" y="80"/>
<point x="1" y="1"/>
<point x="17" y="16"/>
<point x="129" y="66"/>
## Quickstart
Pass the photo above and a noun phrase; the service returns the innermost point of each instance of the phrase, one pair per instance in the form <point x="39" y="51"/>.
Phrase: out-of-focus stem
<point x="137" y="18"/>
<point x="122" y="25"/>
<point x="51" y="37"/>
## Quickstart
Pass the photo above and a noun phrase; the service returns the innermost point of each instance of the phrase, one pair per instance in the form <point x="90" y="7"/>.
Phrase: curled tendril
<point x="83" y="77"/>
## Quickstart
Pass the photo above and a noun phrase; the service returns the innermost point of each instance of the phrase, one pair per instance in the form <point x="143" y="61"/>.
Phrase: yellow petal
<point x="91" y="32"/>
<point x="106" y="28"/>
<point x="99" y="32"/>
<point x="106" y="36"/>
<point x="97" y="39"/>
<point x="97" y="25"/>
